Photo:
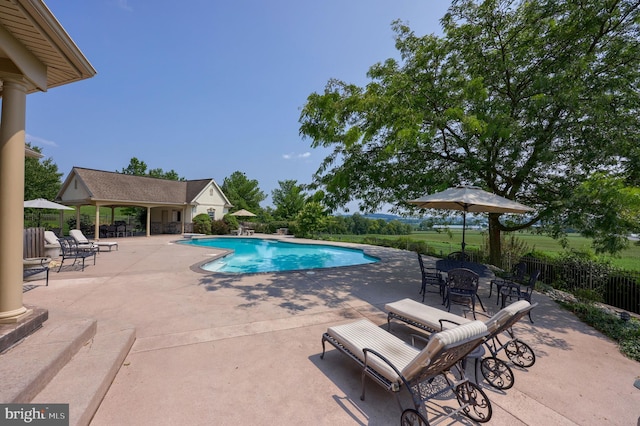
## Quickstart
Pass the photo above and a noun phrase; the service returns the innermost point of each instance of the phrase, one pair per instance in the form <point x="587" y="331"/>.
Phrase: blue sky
<point x="208" y="87"/>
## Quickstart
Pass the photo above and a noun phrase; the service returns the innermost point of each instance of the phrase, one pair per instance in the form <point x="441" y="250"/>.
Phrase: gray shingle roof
<point x="113" y="186"/>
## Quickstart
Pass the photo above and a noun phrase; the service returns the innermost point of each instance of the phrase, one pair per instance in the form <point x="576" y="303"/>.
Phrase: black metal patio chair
<point x="462" y="286"/>
<point x="69" y="250"/>
<point x="431" y="276"/>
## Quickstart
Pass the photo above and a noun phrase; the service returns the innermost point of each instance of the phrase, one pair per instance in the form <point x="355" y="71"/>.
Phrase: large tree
<point x="526" y="99"/>
<point x="288" y="198"/>
<point x="138" y="167"/>
<point x="242" y="192"/>
<point x="41" y="177"/>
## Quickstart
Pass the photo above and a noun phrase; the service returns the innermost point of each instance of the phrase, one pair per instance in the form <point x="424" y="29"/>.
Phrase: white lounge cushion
<point x="423" y="314"/>
<point x="430" y="316"/>
<point x="51" y="238"/>
<point x="497" y="321"/>
<point x="362" y="334"/>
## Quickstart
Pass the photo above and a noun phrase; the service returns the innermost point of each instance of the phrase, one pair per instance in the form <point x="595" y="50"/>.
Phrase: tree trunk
<point x="495" y="247"/>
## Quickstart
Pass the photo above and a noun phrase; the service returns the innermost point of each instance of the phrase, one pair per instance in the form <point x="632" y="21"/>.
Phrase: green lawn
<point x="447" y="241"/>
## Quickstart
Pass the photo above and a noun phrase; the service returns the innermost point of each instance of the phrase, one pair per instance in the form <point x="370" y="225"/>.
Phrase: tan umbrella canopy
<point x="41" y="203"/>
<point x="243" y="213"/>
<point x="469" y="199"/>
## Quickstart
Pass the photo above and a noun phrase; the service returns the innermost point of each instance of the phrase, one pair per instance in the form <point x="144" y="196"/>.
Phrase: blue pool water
<point x="260" y="255"/>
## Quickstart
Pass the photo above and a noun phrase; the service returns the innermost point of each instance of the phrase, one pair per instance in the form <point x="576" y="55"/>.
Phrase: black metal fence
<point x="618" y="288"/>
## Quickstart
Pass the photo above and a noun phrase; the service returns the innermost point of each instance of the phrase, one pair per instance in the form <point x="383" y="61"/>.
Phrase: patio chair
<point x="35" y="266"/>
<point x="520" y="291"/>
<point x="462" y="285"/>
<point x="495" y="371"/>
<point x="425" y="374"/>
<point x="51" y="244"/>
<point x="85" y="243"/>
<point x="517" y="275"/>
<point x="431" y="276"/>
<point x="69" y="250"/>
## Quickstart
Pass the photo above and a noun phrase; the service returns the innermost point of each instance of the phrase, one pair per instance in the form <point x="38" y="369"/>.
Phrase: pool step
<point x="67" y="361"/>
<point x="85" y="380"/>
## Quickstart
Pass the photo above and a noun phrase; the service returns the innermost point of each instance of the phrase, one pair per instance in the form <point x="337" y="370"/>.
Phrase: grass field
<point x="447" y="241"/>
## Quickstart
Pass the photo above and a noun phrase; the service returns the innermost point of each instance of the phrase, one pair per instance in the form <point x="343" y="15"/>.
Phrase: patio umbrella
<point x="41" y="203"/>
<point x="243" y="213"/>
<point x="469" y="199"/>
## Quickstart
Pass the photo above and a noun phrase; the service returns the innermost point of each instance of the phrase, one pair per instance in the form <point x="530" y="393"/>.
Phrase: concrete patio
<point x="228" y="350"/>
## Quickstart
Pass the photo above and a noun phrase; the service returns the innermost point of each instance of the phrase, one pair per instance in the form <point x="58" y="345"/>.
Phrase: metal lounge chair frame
<point x="497" y="372"/>
<point x="84" y="242"/>
<point x="70" y="250"/>
<point x="416" y="370"/>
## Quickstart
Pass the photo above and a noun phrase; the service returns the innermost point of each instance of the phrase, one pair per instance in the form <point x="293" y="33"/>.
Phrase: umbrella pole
<point x="464" y="227"/>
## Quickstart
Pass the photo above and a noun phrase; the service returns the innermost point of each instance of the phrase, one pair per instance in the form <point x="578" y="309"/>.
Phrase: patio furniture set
<point x="439" y="369"/>
<point x="76" y="246"/>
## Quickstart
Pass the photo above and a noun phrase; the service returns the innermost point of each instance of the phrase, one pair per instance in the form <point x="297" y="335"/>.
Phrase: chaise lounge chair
<point x="83" y="242"/>
<point x="70" y="250"/>
<point x="394" y="364"/>
<point x="51" y="244"/>
<point x="495" y="371"/>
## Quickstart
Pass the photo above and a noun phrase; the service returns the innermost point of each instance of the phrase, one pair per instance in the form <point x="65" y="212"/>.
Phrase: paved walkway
<point x="230" y="350"/>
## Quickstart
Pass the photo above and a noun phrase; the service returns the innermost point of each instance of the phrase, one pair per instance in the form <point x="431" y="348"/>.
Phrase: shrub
<point x="231" y="220"/>
<point x="220" y="227"/>
<point x="202" y="224"/>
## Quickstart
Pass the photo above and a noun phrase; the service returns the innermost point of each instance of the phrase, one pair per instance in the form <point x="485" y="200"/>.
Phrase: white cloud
<point x="38" y="141"/>
<point x="124" y="5"/>
<point x="294" y="156"/>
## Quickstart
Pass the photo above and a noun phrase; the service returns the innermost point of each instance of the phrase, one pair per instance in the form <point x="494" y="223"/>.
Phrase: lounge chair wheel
<point x="478" y="406"/>
<point x="497" y="373"/>
<point x="520" y="353"/>
<point x="411" y="417"/>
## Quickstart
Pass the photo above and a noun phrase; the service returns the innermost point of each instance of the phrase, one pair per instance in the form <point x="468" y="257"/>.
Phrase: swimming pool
<point x="262" y="255"/>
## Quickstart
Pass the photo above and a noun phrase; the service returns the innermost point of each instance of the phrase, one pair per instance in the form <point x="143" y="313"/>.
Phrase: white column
<point x="96" y="231"/>
<point x="12" y="129"/>
<point x="148" y="221"/>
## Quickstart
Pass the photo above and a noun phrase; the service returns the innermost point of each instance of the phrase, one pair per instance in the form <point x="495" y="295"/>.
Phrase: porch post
<point x="12" y="134"/>
<point x="148" y="221"/>
<point x="96" y="231"/>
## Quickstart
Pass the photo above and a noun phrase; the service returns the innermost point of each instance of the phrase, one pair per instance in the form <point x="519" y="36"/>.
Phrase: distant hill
<point x="390" y="217"/>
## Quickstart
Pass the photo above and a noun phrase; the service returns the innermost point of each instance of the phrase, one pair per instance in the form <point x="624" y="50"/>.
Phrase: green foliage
<point x="605" y="209"/>
<point x="242" y="192"/>
<point x="41" y="177"/>
<point x="231" y="220"/>
<point x="220" y="227"/>
<point x="310" y="220"/>
<point x="523" y="98"/>
<point x="359" y="225"/>
<point x="625" y="333"/>
<point x="513" y="248"/>
<point x="584" y="274"/>
<point x="289" y="199"/>
<point x="138" y="167"/>
<point x="202" y="224"/>
<point x="85" y="222"/>
<point x="272" y="227"/>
